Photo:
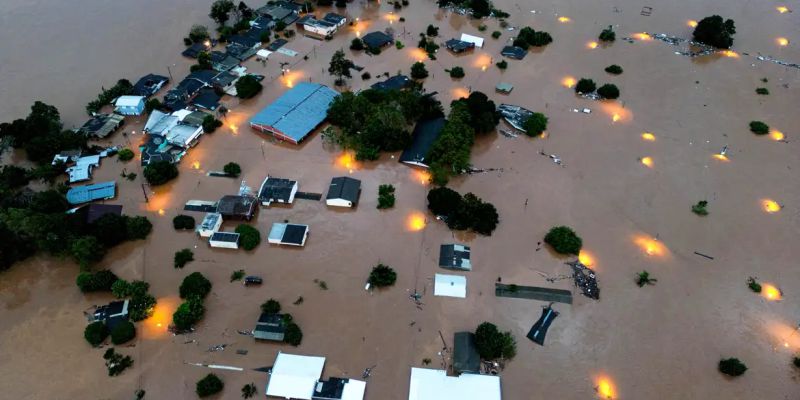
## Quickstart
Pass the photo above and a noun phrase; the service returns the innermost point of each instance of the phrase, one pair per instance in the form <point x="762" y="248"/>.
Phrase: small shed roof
<point x="237" y="206"/>
<point x="450" y="286"/>
<point x="298" y="111"/>
<point x="87" y="193"/>
<point x="340" y="389"/>
<point x="458" y="46"/>
<point x="276" y="189"/>
<point x="465" y="353"/>
<point x="230" y="237"/>
<point x="478" y="41"/>
<point x="344" y="187"/>
<point x="503" y="87"/>
<point x="149" y="84"/>
<point x="396" y="82"/>
<point x="129" y="101"/>
<point x="434" y="384"/>
<point x="455" y="256"/>
<point x="270" y="327"/>
<point x="101" y="125"/>
<point x="294" y="376"/>
<point x="288" y="233"/>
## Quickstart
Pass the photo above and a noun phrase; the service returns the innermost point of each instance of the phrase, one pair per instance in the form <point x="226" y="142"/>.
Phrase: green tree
<point x="714" y="31"/>
<point x="608" y="91"/>
<point x="125" y="155"/>
<point x="762" y="91"/>
<point x="496" y="34"/>
<point x="700" y="208"/>
<point x="232" y="169"/>
<point x="443" y="201"/>
<point x="141" y="305"/>
<point x="432" y="31"/>
<point x="121" y="288"/>
<point x="483" y="114"/>
<point x="49" y="201"/>
<point x="249" y="390"/>
<point x="386" y="197"/>
<point x="732" y="367"/>
<point x="753" y="284"/>
<point x="247" y="87"/>
<point x="357" y="44"/>
<point x="182" y="221"/>
<point x="382" y="276"/>
<point x="280" y="25"/>
<point x="220" y="11"/>
<point x="528" y="37"/>
<point x="585" y="86"/>
<point x="210" y="384"/>
<point x="198" y="33"/>
<point x="204" y="60"/>
<point x="249" y="237"/>
<point x="418" y="70"/>
<point x="502" y="64"/>
<point x="608" y="35"/>
<point x="96" y="333"/>
<point x="183" y="257"/>
<point x="535" y="124"/>
<point x="87" y="250"/>
<point x="188" y="313"/>
<point x="340" y="67"/>
<point x="293" y="334"/>
<point x="644" y="278"/>
<point x="271" y="306"/>
<point x="456" y="72"/>
<point x="210" y="124"/>
<point x="138" y="227"/>
<point x="95" y="281"/>
<point x="160" y="172"/>
<point x="116" y="363"/>
<point x="564" y="240"/>
<point x="123" y="332"/>
<point x="195" y="284"/>
<point x="493" y="344"/>
<point x="759" y="128"/>
<point x="152" y="104"/>
<point x="614" y="69"/>
<point x="480" y="8"/>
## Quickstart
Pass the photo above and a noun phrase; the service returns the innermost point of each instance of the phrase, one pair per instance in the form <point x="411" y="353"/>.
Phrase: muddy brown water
<point x="656" y="342"/>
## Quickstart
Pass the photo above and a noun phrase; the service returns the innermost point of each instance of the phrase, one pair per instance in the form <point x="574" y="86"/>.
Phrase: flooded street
<point x="645" y="343"/>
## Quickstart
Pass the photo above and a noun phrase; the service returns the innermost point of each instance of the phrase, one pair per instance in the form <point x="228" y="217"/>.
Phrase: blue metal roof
<point x="298" y="111"/>
<point x="87" y="193"/>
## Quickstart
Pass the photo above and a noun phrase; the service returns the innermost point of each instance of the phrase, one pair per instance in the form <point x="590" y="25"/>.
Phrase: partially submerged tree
<point x="182" y="221"/>
<point x="535" y="125"/>
<point x="247" y="87"/>
<point x="714" y="31"/>
<point x="644" y="278"/>
<point x="96" y="281"/>
<point x="528" y="37"/>
<point x="762" y="91"/>
<point x="700" y="208"/>
<point x="340" y="67"/>
<point x="385" y="196"/>
<point x="116" y="363"/>
<point x="357" y="44"/>
<point x="614" y="69"/>
<point x="210" y="384"/>
<point x="198" y="33"/>
<point x="608" y="35"/>
<point x="210" y="124"/>
<point x="195" y="284"/>
<point x="418" y="70"/>
<point x="293" y="334"/>
<point x="493" y="344"/>
<point x="732" y="367"/>
<point x="160" y="172"/>
<point x="221" y="10"/>
<point x="188" y="313"/>
<point x="382" y="276"/>
<point x="759" y="128"/>
<point x="125" y="155"/>
<point x="183" y="257"/>
<point x="564" y="240"/>
<point x="96" y="333"/>
<point x="585" y="86"/>
<point x="249" y="391"/>
<point x="249" y="237"/>
<point x="608" y="91"/>
<point x="232" y="169"/>
<point x="457" y="72"/>
<point x="753" y="284"/>
<point x="271" y="306"/>
<point x="123" y="332"/>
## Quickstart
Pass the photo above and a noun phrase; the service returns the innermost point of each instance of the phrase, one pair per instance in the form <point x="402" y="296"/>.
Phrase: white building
<point x="211" y="224"/>
<point x="226" y="240"/>
<point x="434" y="384"/>
<point x="171" y="127"/>
<point x="129" y="105"/>
<point x="294" y="377"/>
<point x="82" y="170"/>
<point x="289" y="234"/>
<point x="450" y="286"/>
<point x="478" y="41"/>
<point x="277" y="190"/>
<point x="343" y="192"/>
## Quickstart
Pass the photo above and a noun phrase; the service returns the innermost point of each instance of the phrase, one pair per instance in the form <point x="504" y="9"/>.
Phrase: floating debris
<point x="585" y="279"/>
<point x="515" y="115"/>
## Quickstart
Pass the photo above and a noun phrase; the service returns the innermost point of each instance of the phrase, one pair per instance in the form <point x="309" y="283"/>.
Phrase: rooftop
<point x="270" y="327"/>
<point x="87" y="193"/>
<point x="465" y="353"/>
<point x="396" y="82"/>
<point x="340" y="389"/>
<point x="458" y="46"/>
<point x="450" y="286"/>
<point x="455" y="256"/>
<point x="230" y="237"/>
<point x="294" y="376"/>
<point x="292" y="234"/>
<point x="424" y="136"/>
<point x="377" y="39"/>
<point x="102" y="125"/>
<point x="297" y="112"/>
<point x="276" y="189"/>
<point x="344" y="187"/>
<point x="237" y="206"/>
<point x="95" y="211"/>
<point x="434" y="384"/>
<point x="149" y="84"/>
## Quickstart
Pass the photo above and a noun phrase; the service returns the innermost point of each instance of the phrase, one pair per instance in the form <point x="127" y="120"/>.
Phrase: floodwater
<point x="657" y="342"/>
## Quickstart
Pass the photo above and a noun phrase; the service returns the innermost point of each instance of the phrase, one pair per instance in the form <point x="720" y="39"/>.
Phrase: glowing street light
<point x="770" y="292"/>
<point x="647" y="161"/>
<point x="416" y="221"/>
<point x="564" y="20"/>
<point x="782" y="41"/>
<point x="568" y="82"/>
<point x="644" y="36"/>
<point x="730" y="54"/>
<point x="776" y="135"/>
<point x="692" y="23"/>
<point x="648" y="137"/>
<point x="605" y="388"/>
<point x="770" y="206"/>
<point x="592" y="45"/>
<point x="782" y="9"/>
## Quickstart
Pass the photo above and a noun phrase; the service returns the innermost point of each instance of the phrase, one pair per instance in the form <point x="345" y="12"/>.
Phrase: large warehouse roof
<point x="296" y="113"/>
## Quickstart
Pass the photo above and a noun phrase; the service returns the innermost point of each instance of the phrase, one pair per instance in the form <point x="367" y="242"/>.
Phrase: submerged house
<point x="295" y="114"/>
<point x="458" y="46"/>
<point x="343" y="192"/>
<point x="455" y="256"/>
<point x="515" y="52"/>
<point x="112" y="314"/>
<point x="270" y="327"/>
<point x="102" y="125"/>
<point x="225" y="240"/>
<point x="174" y="128"/>
<point x="294" y="376"/>
<point x="277" y="190"/>
<point x="222" y="62"/>
<point x="237" y="207"/>
<point x="450" y="286"/>
<point x="339" y="389"/>
<point x="82" y="170"/>
<point x="210" y="225"/>
<point x="242" y="47"/>
<point x="377" y="40"/>
<point x="93" y="212"/>
<point x="149" y="85"/>
<point x="87" y="193"/>
<point x="288" y="234"/>
<point x="424" y="136"/>
<point x="129" y="105"/>
<point x="336" y="19"/>
<point x="207" y="98"/>
<point x="280" y="11"/>
<point x="397" y="82"/>
<point x="317" y="27"/>
<point x="475" y="40"/>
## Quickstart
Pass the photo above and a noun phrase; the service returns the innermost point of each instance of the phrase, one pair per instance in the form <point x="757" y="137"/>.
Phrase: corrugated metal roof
<point x="298" y="111"/>
<point x="85" y="194"/>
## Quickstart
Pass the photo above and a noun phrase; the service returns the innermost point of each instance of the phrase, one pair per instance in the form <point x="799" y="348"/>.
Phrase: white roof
<point x="181" y="114"/>
<point x="434" y="384"/>
<point x="295" y="377"/>
<point x="129" y="101"/>
<point x="182" y="135"/>
<point x="263" y="53"/>
<point x="472" y="39"/>
<point x="450" y="286"/>
<point x="354" y="390"/>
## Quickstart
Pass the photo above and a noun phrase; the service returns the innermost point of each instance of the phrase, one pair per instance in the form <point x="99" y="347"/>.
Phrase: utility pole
<point x="146" y="200"/>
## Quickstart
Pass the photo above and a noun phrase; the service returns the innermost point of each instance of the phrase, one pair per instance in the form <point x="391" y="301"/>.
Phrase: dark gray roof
<point x="396" y="82"/>
<point x="207" y="98"/>
<point x="294" y="234"/>
<point x="425" y="134"/>
<point x="194" y="50"/>
<point x="244" y="40"/>
<point x="455" y="257"/>
<point x="276" y="189"/>
<point x="237" y="206"/>
<point x="224" y="79"/>
<point x="465" y="353"/>
<point x="344" y="187"/>
<point x="457" y="46"/>
<point x="377" y="40"/>
<point x="270" y="327"/>
<point x="332" y="389"/>
<point x="334" y="18"/>
<point x="102" y="125"/>
<point x="95" y="211"/>
<point x="149" y="84"/>
<point x="276" y="44"/>
<point x="230" y="237"/>
<point x="204" y="75"/>
<point x="514" y="52"/>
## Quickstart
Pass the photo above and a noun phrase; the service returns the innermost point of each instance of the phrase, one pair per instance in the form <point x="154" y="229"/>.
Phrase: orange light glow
<point x="648" y="137"/>
<point x="605" y="388"/>
<point x="730" y="54"/>
<point x="568" y="82"/>
<point x="643" y="36"/>
<point x="586" y="258"/>
<point x="650" y="246"/>
<point x="782" y="41"/>
<point x="592" y="45"/>
<point x="776" y="135"/>
<point x="234" y="129"/>
<point x="483" y="60"/>
<point x="770" y="206"/>
<point x="417" y="54"/>
<point x="460" y="92"/>
<point x="647" y="161"/>
<point x="161" y="211"/>
<point x="196" y="165"/>
<point x="291" y="77"/>
<point x="358" y="34"/>
<point x="391" y="17"/>
<point x="564" y="20"/>
<point x="782" y="9"/>
<point x="770" y="292"/>
<point x="347" y="160"/>
<point x="692" y="23"/>
<point x="616" y="112"/>
<point x="415" y="221"/>
<point x="155" y="326"/>
<point x="616" y="117"/>
<point x="721" y="157"/>
<point x="421" y="176"/>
